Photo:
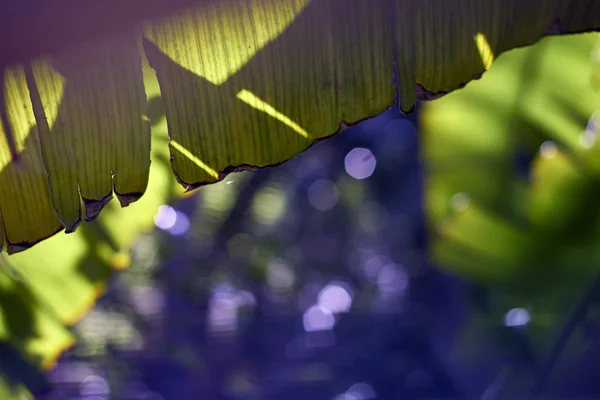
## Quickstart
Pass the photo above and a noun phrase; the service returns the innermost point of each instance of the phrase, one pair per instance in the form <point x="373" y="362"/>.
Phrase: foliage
<point x="218" y="310"/>
<point x="266" y="83"/>
<point x="50" y="287"/>
<point x="244" y="85"/>
<point x="511" y="197"/>
<point x="492" y="211"/>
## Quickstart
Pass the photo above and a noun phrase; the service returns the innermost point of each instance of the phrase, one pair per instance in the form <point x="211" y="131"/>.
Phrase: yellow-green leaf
<point x="26" y="210"/>
<point x="244" y="84"/>
<point x="101" y="138"/>
<point x="55" y="283"/>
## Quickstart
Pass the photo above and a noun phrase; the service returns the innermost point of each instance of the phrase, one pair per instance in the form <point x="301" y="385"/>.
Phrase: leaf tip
<point x="127" y="199"/>
<point x="93" y="207"/>
<point x="14" y="248"/>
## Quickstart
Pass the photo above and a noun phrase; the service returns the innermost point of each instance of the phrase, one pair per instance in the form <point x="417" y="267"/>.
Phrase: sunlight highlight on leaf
<point x="485" y="51"/>
<point x="256" y="102"/>
<point x="20" y="111"/>
<point x="233" y="31"/>
<point x="25" y="205"/>
<point x="188" y="154"/>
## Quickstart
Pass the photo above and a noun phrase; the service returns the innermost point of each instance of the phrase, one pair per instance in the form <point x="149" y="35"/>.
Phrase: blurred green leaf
<point x="529" y="233"/>
<point x="491" y="221"/>
<point x="13" y="393"/>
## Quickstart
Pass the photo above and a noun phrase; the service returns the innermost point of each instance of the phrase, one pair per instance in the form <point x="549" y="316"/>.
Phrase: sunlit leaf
<point x="100" y="140"/>
<point x="55" y="283"/>
<point x="25" y="205"/>
<point x="244" y="84"/>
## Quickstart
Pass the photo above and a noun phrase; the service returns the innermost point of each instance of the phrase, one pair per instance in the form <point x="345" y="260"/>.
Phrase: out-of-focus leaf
<point x="538" y="101"/>
<point x="244" y="84"/>
<point x="519" y="226"/>
<point x="13" y="393"/>
<point x="27" y="322"/>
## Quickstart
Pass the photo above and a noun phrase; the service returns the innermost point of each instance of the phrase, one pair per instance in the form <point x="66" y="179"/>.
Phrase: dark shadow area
<point x="395" y="340"/>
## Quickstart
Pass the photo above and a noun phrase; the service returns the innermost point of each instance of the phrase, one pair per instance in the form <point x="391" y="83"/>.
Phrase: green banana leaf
<point x="244" y="84"/>
<point x="49" y="288"/>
